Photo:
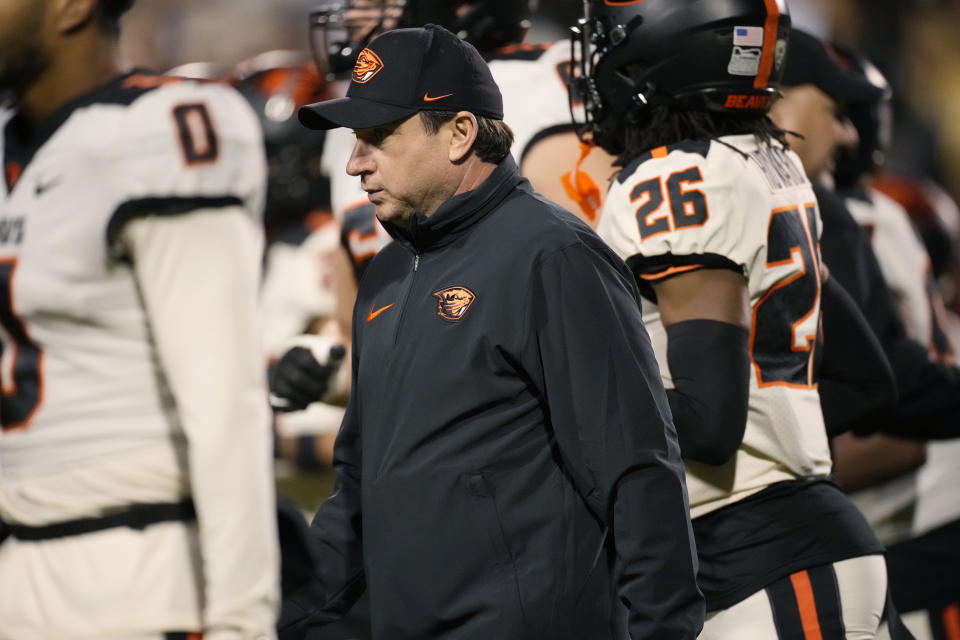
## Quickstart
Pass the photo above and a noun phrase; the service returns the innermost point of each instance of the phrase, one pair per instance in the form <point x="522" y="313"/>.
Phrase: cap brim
<point x="849" y="88"/>
<point x="352" y="113"/>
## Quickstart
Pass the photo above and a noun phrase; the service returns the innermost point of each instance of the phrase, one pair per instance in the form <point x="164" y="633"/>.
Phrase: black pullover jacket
<point x="507" y="462"/>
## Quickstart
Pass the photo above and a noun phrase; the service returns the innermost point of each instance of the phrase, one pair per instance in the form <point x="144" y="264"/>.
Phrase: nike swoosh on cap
<point x="428" y="98"/>
<point x="373" y="314"/>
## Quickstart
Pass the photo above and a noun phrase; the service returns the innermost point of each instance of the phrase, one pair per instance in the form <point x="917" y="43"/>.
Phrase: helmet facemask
<point x="340" y="29"/>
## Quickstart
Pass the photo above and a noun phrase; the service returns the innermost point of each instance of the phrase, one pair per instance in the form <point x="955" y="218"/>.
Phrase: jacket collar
<point x="458" y="214"/>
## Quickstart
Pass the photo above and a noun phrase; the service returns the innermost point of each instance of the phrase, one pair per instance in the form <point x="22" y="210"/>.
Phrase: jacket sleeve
<point x="612" y="424"/>
<point x="929" y="391"/>
<point x="336" y="535"/>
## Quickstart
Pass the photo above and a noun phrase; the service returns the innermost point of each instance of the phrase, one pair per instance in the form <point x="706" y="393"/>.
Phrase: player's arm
<point x="198" y="273"/>
<point x="855" y="377"/>
<point x="864" y="461"/>
<point x="595" y="367"/>
<point x="345" y="290"/>
<point x="706" y="314"/>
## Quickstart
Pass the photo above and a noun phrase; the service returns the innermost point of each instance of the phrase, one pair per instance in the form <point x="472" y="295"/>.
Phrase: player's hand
<point x="299" y="379"/>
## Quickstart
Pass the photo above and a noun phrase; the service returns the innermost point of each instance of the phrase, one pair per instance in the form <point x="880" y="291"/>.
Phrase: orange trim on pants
<point x="807" y="605"/>
<point x="951" y="621"/>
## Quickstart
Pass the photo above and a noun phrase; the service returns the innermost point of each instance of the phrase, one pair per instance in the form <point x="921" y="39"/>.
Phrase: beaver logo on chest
<point x="453" y="302"/>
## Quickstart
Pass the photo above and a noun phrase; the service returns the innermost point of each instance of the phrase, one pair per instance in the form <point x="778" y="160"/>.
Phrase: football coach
<point x="507" y="466"/>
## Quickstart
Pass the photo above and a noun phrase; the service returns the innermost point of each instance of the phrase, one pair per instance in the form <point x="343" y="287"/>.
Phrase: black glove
<point x="299" y="380"/>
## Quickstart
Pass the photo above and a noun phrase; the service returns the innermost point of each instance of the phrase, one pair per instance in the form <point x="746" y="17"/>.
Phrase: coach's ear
<point x="463" y="130"/>
<point x="72" y="15"/>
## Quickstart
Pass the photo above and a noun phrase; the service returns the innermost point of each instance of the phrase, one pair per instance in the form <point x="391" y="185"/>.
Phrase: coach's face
<point x="22" y="55"/>
<point x="404" y="168"/>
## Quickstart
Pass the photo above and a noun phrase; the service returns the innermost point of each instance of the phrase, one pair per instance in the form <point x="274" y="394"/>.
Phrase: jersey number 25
<point x="785" y="332"/>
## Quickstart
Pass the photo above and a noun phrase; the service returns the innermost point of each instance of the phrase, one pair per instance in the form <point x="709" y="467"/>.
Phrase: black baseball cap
<point x="404" y="71"/>
<point x="810" y="60"/>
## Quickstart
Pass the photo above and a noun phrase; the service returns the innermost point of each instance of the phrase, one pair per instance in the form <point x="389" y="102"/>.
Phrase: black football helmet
<point x="872" y="120"/>
<point x="715" y="55"/>
<point x="276" y="84"/>
<point x="340" y="29"/>
<point x="486" y="24"/>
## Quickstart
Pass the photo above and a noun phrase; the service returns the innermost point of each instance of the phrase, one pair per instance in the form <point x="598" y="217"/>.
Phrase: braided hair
<point x="665" y="125"/>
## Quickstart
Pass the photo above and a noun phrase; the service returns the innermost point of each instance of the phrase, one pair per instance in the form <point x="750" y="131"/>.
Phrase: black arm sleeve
<point x="929" y="392"/>
<point x="855" y="376"/>
<point x="611" y="421"/>
<point x="710" y="366"/>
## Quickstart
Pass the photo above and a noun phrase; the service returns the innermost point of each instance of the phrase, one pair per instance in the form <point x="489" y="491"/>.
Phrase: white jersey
<point x="129" y="257"/>
<point x="702" y="204"/>
<point x="298" y="286"/>
<point x="906" y="268"/>
<point x="911" y="504"/>
<point x="533" y="80"/>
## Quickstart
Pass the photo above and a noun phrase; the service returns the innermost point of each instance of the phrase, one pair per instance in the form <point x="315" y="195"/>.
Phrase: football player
<point x="818" y="90"/>
<point x="917" y="515"/>
<point x="298" y="294"/>
<point x="136" y="480"/>
<point x="718" y="221"/>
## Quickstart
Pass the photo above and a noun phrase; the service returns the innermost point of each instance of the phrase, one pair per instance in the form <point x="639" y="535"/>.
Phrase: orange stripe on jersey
<point x="512" y="49"/>
<point x="195" y="636"/>
<point x="13" y="171"/>
<point x="144" y="81"/>
<point x="672" y="271"/>
<point x="769" y="44"/>
<point x="659" y="152"/>
<point x="318" y="218"/>
<point x="585" y="192"/>
<point x="951" y="621"/>
<point x="808" y="607"/>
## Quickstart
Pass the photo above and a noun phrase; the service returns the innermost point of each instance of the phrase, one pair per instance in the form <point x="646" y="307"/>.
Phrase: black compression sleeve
<point x="710" y="365"/>
<point x="855" y="377"/>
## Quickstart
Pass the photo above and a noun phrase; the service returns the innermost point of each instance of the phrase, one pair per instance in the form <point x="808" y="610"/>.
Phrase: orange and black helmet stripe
<point x="770" y="30"/>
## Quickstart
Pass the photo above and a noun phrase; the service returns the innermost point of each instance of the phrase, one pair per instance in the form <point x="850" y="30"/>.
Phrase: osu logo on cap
<point x="368" y="65"/>
<point x="453" y="302"/>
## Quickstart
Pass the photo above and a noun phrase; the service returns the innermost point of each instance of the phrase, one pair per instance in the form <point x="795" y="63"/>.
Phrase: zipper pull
<point x="416" y="261"/>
